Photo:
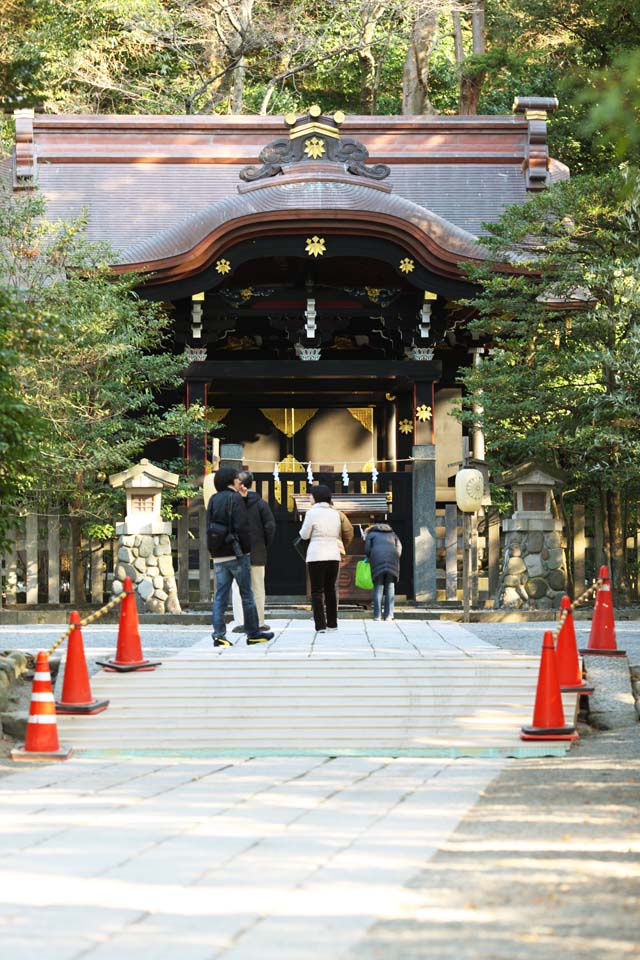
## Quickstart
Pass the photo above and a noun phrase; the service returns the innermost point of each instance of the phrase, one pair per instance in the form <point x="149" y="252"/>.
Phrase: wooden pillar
<point x="196" y="391"/>
<point x="204" y="560"/>
<point x="390" y="436"/>
<point x="579" y="550"/>
<point x="492" y="520"/>
<point x="424" y="522"/>
<point x="182" y="578"/>
<point x="404" y="426"/>
<point x="451" y="551"/>
<point x="11" y="568"/>
<point x="97" y="571"/>
<point x="31" y="552"/>
<point x="53" y="561"/>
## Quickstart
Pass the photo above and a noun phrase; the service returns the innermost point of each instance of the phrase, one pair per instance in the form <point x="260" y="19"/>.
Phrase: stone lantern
<point x="144" y="539"/>
<point x="534" y="574"/>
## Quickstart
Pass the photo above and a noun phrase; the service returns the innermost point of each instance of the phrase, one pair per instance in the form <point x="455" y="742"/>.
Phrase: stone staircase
<point x="408" y="688"/>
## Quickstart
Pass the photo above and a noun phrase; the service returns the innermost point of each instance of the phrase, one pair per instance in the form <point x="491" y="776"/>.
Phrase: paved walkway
<point x="411" y="688"/>
<point x="269" y="858"/>
<point x="311" y="857"/>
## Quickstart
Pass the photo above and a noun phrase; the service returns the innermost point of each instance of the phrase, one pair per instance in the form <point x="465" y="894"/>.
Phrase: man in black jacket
<point x="262" y="530"/>
<point x="230" y="547"/>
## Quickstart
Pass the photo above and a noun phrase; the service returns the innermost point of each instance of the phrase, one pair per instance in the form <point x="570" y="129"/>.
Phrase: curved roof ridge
<point x="181" y="237"/>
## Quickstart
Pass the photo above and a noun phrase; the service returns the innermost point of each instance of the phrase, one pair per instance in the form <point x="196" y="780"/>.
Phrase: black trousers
<point x="324" y="602"/>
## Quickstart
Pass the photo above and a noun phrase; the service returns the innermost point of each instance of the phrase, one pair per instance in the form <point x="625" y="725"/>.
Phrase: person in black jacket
<point x="384" y="549"/>
<point x="262" y="530"/>
<point x="229" y="542"/>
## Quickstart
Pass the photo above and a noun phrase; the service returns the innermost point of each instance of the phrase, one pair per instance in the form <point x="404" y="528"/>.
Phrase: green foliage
<point x="563" y="378"/>
<point x="84" y="362"/>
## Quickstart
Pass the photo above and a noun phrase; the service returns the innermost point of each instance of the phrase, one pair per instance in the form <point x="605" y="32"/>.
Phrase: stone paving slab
<point x="216" y="859"/>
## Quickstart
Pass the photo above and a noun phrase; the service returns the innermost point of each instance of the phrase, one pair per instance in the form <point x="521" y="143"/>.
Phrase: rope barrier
<point x="589" y="592"/>
<point x="90" y="619"/>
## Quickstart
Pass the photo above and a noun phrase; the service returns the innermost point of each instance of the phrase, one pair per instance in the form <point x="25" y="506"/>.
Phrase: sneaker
<point x="263" y="637"/>
<point x="377" y="619"/>
<point x="221" y="642"/>
<point x="331" y="629"/>
<point x="388" y="619"/>
<point x="239" y="629"/>
<point x="263" y="627"/>
<point x="324" y="630"/>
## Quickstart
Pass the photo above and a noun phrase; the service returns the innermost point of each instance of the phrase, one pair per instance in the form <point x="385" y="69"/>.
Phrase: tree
<point x="92" y="383"/>
<point x="560" y="307"/>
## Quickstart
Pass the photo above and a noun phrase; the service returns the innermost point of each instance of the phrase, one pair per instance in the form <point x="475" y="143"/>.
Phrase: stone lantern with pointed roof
<point x="534" y="573"/>
<point x="144" y="550"/>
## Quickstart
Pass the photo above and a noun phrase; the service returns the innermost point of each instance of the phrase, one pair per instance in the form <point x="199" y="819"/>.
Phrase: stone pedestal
<point x="146" y="558"/>
<point x="534" y="574"/>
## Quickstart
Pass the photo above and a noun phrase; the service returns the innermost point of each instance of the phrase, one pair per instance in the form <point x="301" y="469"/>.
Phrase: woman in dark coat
<point x="384" y="549"/>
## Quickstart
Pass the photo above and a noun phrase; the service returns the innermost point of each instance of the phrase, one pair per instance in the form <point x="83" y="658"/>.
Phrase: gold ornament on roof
<point x="314" y="148"/>
<point x="373" y="293"/>
<point x="407" y="265"/>
<point x="223" y="266"/>
<point x="315" y="246"/>
<point x="405" y="426"/>
<point x="315" y="110"/>
<point x="247" y="293"/>
<point x="423" y="412"/>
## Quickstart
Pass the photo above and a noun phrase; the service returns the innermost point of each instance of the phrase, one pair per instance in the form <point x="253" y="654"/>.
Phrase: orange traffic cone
<point x="602" y="639"/>
<point x="41" y="741"/>
<point x="129" y="649"/>
<point x="548" y="715"/>
<point x="76" y="690"/>
<point x="567" y="662"/>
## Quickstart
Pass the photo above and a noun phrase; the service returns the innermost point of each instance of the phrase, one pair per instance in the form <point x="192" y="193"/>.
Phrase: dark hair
<point x="224" y="477"/>
<point x="321" y="493"/>
<point x="246" y="478"/>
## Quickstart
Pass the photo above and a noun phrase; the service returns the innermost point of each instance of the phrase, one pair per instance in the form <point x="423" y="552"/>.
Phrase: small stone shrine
<point x="144" y="539"/>
<point x="534" y="575"/>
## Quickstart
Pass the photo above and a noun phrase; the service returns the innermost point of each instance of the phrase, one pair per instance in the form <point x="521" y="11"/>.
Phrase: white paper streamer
<point x="374" y="475"/>
<point x="276" y="474"/>
<point x="345" y="475"/>
<point x="309" y="473"/>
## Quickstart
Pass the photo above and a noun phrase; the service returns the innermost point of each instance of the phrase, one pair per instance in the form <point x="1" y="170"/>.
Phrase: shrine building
<point x="314" y="269"/>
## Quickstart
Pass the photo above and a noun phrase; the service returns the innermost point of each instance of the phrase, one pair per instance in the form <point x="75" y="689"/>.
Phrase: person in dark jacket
<point x="229" y="541"/>
<point x="262" y="530"/>
<point x="384" y="549"/>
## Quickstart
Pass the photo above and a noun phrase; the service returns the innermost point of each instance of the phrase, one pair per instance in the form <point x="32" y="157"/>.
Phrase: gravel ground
<point x="548" y="861"/>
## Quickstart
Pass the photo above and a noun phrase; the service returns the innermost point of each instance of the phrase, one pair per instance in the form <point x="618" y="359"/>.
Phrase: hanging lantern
<point x="309" y="473"/>
<point x="469" y="489"/>
<point x="345" y="475"/>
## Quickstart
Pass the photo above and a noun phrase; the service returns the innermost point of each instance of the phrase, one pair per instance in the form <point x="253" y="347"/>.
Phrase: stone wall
<point x="146" y="558"/>
<point x="534" y="575"/>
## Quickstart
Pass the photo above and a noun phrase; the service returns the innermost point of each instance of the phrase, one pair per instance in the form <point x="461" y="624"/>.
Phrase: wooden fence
<point x="36" y="570"/>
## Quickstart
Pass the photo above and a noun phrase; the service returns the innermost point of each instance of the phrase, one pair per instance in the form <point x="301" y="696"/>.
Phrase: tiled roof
<point x="138" y="176"/>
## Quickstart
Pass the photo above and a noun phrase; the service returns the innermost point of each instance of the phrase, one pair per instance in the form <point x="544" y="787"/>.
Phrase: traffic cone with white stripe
<point x="567" y="661"/>
<point x="41" y="741"/>
<point x="602" y="639"/>
<point x="76" y="690"/>
<point x="129" y="647"/>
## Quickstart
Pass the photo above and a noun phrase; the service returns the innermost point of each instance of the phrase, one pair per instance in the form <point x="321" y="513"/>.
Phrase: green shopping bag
<point x="363" y="575"/>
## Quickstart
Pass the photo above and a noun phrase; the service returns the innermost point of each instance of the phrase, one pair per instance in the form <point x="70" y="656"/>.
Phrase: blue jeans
<point x="384" y="584"/>
<point x="240" y="571"/>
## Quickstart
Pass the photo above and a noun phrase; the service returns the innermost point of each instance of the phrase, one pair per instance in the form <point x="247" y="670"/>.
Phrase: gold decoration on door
<point x="288" y="420"/>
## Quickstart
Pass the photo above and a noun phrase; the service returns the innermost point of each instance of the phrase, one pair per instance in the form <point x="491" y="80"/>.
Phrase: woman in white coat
<point x="322" y="529"/>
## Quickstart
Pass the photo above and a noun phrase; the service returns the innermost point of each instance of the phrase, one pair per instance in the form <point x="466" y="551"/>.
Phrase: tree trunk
<point x="415" y="79"/>
<point x="470" y="81"/>
<point x="616" y="539"/>
<point x="370" y="15"/>
<point x="76" y="574"/>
